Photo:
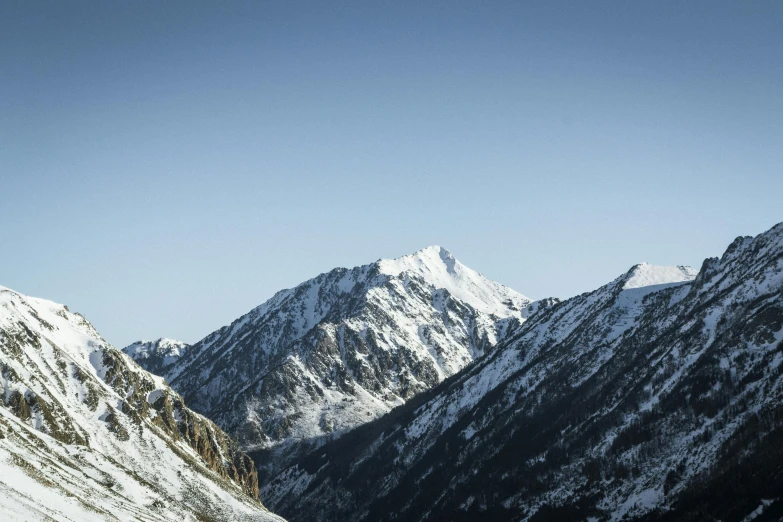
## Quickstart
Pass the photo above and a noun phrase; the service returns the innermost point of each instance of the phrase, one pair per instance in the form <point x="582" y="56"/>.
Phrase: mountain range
<point x="655" y="397"/>
<point x="339" y="350"/>
<point x="414" y="389"/>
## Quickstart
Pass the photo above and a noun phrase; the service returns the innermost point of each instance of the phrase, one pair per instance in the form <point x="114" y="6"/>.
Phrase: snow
<point x="638" y="503"/>
<point x="759" y="510"/>
<point x="644" y="275"/>
<point x="169" y="350"/>
<point x="138" y="478"/>
<point x="440" y="269"/>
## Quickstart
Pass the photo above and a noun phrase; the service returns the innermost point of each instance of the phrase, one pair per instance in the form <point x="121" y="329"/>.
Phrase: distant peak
<point x="166" y="340"/>
<point x="154" y="356"/>
<point x="160" y="340"/>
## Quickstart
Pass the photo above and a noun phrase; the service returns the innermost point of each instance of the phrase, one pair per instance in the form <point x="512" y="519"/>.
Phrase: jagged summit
<point x="427" y="251"/>
<point x="436" y="266"/>
<point x="440" y="268"/>
<point x="433" y="258"/>
<point x="171" y="346"/>
<point x="161" y="340"/>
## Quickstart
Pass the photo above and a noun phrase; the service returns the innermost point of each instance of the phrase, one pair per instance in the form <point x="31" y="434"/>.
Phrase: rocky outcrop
<point x="98" y="435"/>
<point x="219" y="452"/>
<point x="158" y="356"/>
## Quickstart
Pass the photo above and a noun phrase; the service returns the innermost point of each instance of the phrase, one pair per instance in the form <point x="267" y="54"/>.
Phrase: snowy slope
<point x="645" y="275"/>
<point x="86" y="434"/>
<point x="345" y="347"/>
<point x="653" y="397"/>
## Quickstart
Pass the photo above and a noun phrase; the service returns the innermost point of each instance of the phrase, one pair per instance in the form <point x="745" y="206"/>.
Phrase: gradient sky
<point x="166" y="166"/>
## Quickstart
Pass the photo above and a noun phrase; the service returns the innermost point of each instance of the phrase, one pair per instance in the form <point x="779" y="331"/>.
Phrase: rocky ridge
<point x="86" y="434"/>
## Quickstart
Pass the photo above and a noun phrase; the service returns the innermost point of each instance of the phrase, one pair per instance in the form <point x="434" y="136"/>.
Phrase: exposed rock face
<point x="216" y="449"/>
<point x="156" y="356"/>
<point x="344" y="348"/>
<point x="86" y="428"/>
<point x="649" y="398"/>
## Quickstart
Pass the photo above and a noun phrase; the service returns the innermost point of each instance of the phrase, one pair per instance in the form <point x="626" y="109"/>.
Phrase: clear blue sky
<point x="166" y="166"/>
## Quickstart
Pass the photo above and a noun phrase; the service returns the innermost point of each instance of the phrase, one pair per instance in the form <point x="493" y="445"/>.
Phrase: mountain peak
<point x="441" y="269"/>
<point x="431" y="248"/>
<point x="343" y="348"/>
<point x="156" y="356"/>
<point x="433" y="253"/>
<point x="644" y="275"/>
<point x="435" y="250"/>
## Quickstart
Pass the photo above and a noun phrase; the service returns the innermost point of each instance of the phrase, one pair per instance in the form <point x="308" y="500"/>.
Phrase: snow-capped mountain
<point x="652" y="398"/>
<point x="345" y="347"/>
<point x="86" y="434"/>
<point x="156" y="356"/>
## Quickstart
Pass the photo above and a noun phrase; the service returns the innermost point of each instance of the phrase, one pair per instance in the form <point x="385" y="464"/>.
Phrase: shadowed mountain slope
<point x="641" y="399"/>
